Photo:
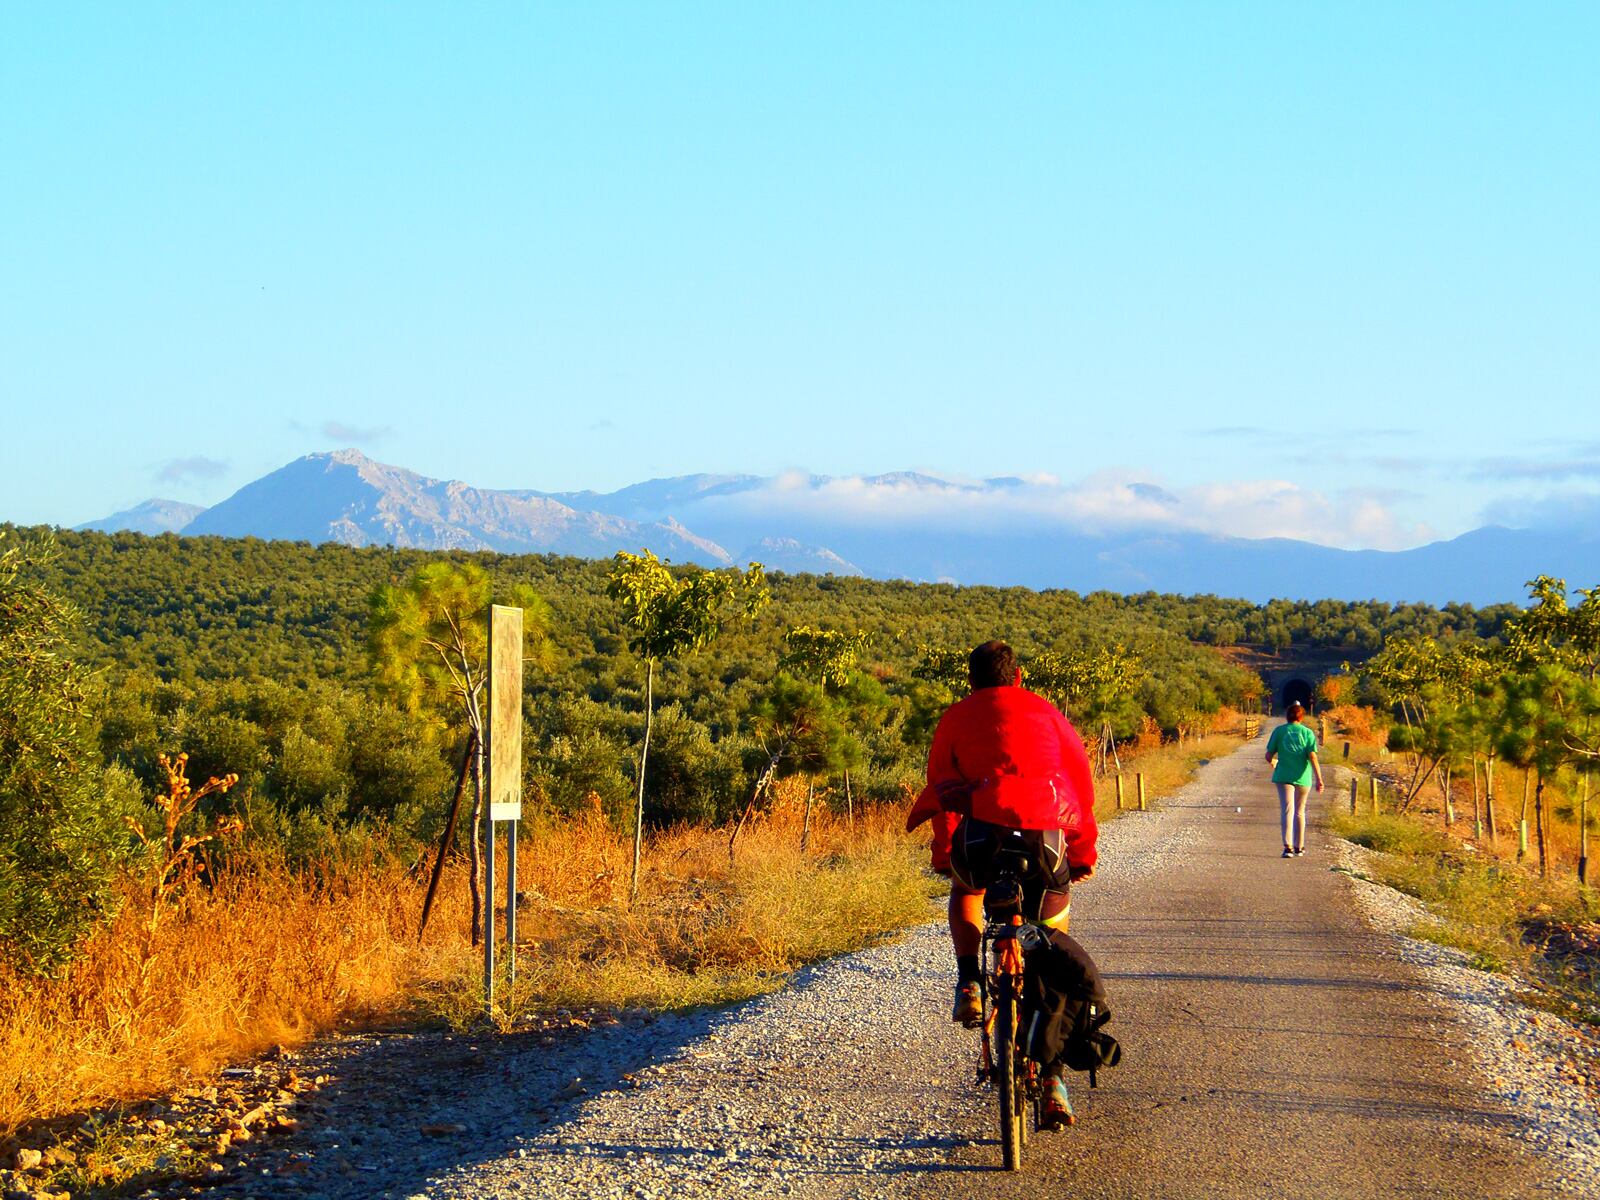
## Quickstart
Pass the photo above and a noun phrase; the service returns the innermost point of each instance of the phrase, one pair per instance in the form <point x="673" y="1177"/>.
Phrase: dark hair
<point x="1294" y="710"/>
<point x="992" y="665"/>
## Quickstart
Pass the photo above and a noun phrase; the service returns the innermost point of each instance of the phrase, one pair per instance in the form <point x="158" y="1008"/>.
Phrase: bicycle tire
<point x="1023" y="1107"/>
<point x="1007" y="1081"/>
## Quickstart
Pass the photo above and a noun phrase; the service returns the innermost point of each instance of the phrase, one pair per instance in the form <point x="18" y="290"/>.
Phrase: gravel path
<point x="1540" y="1067"/>
<point x="1276" y="1044"/>
<point x="853" y="1081"/>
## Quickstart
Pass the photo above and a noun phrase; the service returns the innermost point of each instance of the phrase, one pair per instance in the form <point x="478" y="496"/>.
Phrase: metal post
<point x="503" y="780"/>
<point x="1355" y="786"/>
<point x="1138" y="780"/>
<point x="1372" y="792"/>
<point x="1119" y="791"/>
<point x="488" y="910"/>
<point x="511" y="907"/>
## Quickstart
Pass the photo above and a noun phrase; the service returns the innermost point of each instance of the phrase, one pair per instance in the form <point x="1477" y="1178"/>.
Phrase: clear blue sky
<point x="580" y="245"/>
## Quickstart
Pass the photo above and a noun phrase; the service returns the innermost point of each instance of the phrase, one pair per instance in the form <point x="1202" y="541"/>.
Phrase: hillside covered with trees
<point x="252" y="656"/>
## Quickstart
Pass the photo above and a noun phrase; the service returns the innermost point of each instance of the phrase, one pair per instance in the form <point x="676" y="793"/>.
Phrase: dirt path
<point x="1275" y="1046"/>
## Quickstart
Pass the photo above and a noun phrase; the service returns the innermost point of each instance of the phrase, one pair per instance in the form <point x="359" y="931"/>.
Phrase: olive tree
<point x="668" y="615"/>
<point x="1096" y="687"/>
<point x="797" y="730"/>
<point x="829" y="657"/>
<point x="428" y="645"/>
<point x="61" y="831"/>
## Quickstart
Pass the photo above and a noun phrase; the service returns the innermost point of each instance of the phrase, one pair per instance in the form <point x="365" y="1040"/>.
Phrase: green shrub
<point x="61" y="834"/>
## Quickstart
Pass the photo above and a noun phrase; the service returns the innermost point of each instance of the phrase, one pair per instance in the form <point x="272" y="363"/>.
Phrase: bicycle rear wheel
<point x="1024" y="1109"/>
<point x="1008" y="1082"/>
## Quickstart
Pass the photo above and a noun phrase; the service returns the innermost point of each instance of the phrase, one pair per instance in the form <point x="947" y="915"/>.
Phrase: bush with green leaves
<point x="61" y="830"/>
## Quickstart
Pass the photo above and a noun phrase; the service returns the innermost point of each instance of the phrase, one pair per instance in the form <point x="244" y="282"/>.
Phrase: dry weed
<point x="270" y="955"/>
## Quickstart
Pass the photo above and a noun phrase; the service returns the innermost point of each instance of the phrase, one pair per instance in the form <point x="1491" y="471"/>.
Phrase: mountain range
<point x="1001" y="531"/>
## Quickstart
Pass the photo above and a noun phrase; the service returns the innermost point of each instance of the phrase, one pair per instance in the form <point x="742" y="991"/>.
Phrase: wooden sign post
<point x="502" y="736"/>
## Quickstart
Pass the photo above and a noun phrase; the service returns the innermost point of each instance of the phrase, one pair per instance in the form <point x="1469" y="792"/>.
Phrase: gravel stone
<point x="1541" y="1067"/>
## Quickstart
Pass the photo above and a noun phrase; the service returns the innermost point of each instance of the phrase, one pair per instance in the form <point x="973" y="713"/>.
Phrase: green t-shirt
<point x="1294" y="745"/>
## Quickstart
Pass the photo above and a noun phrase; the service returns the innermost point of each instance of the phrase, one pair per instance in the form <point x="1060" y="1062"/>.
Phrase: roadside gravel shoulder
<point x="839" y="1076"/>
<point x="850" y="1081"/>
<point x="1543" y="1069"/>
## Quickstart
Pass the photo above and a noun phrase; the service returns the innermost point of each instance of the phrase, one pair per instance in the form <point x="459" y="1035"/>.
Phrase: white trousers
<point x="1292" y="808"/>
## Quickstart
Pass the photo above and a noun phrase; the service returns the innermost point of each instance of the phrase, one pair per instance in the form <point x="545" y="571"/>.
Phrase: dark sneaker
<point x="1299" y="853"/>
<point x="1056" y="1111"/>
<point x="1288" y="853"/>
<point x="969" y="1003"/>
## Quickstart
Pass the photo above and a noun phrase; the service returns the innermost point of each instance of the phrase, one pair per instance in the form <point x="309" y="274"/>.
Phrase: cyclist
<point x="1005" y="758"/>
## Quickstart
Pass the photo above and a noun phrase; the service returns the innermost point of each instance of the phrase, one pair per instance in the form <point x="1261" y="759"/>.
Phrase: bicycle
<point x="1007" y="939"/>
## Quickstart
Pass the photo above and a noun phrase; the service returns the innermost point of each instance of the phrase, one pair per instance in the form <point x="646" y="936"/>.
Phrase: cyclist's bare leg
<point x="966" y="932"/>
<point x="966" y="919"/>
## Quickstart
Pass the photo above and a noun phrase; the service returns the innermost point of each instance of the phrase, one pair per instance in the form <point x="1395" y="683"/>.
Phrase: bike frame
<point x="1004" y="961"/>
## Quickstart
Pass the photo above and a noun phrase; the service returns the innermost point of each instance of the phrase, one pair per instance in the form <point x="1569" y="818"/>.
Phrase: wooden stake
<point x="1583" y="833"/>
<point x="1372" y="792"/>
<point x="805" y="827"/>
<point x="1488" y="801"/>
<point x="449" y="832"/>
<point x="644" y="754"/>
<point x="1539" y="826"/>
<point x="1477" y="812"/>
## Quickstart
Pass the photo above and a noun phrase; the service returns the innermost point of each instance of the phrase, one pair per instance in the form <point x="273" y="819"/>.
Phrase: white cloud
<point x="191" y="469"/>
<point x="354" y="435"/>
<point x="1107" y="502"/>
<point x="1563" y="510"/>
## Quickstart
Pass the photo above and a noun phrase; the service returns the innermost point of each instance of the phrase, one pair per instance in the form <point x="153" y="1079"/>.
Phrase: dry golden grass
<point x="272" y="956"/>
<point x="706" y="930"/>
<point x="265" y="957"/>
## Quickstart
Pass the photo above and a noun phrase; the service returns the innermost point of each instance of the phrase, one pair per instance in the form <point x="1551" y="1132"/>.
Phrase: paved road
<point x="1275" y="1046"/>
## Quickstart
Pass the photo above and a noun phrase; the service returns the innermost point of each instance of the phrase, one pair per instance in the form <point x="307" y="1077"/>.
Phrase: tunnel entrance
<point x="1297" y="691"/>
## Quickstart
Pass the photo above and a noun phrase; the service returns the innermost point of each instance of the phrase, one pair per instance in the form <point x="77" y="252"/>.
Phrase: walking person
<point x="1294" y="747"/>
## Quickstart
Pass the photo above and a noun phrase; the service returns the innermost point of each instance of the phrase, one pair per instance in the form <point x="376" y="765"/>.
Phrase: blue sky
<point x="1350" y="248"/>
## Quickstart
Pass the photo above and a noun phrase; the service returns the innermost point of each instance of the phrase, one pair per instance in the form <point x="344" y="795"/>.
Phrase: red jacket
<point x="1026" y="766"/>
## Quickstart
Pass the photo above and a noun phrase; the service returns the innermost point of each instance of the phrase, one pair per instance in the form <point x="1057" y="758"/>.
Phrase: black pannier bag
<point x="1065" y="1008"/>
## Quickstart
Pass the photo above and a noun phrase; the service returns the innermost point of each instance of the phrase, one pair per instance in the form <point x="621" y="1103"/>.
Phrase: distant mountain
<point x="656" y="498"/>
<point x="918" y="526"/>
<point x="1002" y="531"/>
<point x="346" y="497"/>
<point x="152" y="517"/>
<point x="786" y="554"/>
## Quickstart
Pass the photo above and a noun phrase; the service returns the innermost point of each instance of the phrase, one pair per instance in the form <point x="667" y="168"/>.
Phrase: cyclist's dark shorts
<point x="972" y="854"/>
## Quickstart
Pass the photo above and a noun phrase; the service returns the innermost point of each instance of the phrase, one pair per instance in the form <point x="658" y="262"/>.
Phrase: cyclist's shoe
<point x="1056" y="1110"/>
<point x="969" y="1003"/>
